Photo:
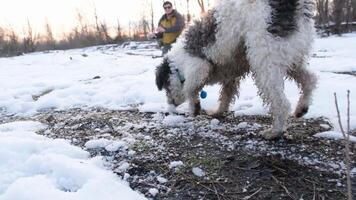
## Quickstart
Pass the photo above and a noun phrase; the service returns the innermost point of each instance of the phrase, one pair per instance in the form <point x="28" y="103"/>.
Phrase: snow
<point x="153" y="191"/>
<point x="161" y="179"/>
<point x="109" y="145"/>
<point x="334" y="135"/>
<point x="173" y="120"/>
<point x="198" y="172"/>
<point x="175" y="164"/>
<point x="353" y="171"/>
<point x="64" y="79"/>
<point x="214" y="122"/>
<point x="98" y="143"/>
<point x="124" y="166"/>
<point x="242" y="125"/>
<point x="35" y="167"/>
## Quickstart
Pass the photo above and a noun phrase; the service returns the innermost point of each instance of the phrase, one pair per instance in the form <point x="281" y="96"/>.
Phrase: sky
<point x="61" y="14"/>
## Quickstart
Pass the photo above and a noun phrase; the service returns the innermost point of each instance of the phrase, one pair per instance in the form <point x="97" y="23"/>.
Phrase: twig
<point x="348" y="114"/>
<point x="284" y="187"/>
<point x="346" y="136"/>
<point x="314" y="196"/>
<point x="216" y="191"/>
<point x="338" y="115"/>
<point x="250" y="196"/>
<point x="204" y="186"/>
<point x="211" y="190"/>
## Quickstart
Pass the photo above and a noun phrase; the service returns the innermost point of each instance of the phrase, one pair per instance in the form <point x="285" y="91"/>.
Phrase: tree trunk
<point x="338" y="15"/>
<point x="202" y="6"/>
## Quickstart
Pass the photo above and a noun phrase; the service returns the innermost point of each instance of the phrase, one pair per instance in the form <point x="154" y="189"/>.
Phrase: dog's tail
<point x="162" y="74"/>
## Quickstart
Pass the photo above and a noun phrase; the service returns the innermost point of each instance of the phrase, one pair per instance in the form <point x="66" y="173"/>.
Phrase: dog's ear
<point x="162" y="74"/>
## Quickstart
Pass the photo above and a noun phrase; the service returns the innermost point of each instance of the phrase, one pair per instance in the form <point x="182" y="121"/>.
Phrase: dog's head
<point x="171" y="81"/>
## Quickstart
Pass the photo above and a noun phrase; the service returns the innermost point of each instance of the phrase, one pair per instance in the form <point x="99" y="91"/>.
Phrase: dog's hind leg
<point x="306" y="81"/>
<point x="270" y="83"/>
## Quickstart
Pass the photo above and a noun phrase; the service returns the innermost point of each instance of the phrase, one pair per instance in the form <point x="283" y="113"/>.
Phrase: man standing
<point x="170" y="26"/>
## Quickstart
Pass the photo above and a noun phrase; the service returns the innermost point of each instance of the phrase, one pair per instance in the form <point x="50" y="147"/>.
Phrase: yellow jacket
<point x="173" y="27"/>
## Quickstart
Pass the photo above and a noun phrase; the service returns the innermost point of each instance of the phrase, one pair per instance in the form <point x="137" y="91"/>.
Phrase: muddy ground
<point x="207" y="158"/>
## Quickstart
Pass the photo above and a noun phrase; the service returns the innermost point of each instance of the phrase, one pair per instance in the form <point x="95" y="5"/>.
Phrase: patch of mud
<point x="157" y="152"/>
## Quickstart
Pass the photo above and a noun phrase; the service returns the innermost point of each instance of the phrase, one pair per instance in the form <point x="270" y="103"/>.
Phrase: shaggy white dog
<point x="270" y="39"/>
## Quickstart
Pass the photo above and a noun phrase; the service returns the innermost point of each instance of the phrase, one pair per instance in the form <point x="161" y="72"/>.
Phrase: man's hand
<point x="151" y="36"/>
<point x="160" y="29"/>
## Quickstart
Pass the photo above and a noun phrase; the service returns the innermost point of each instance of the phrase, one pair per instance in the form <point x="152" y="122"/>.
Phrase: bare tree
<point x="130" y="29"/>
<point x="2" y="37"/>
<point x="322" y="18"/>
<point x="152" y="18"/>
<point x="353" y="15"/>
<point x="119" y="35"/>
<point x="29" y="40"/>
<point x="322" y="8"/>
<point x="97" y="25"/>
<point x="2" y="41"/>
<point x="339" y="6"/>
<point x="12" y="46"/>
<point x="348" y="14"/>
<point x="104" y="33"/>
<point x="188" y="13"/>
<point x="143" y="27"/>
<point x="82" y="23"/>
<point x="49" y="39"/>
<point x="202" y="6"/>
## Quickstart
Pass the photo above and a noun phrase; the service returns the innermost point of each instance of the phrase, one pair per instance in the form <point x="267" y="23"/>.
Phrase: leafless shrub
<point x="346" y="142"/>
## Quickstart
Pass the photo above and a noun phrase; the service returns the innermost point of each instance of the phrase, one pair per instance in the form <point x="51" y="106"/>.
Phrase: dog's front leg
<point x="172" y="108"/>
<point x="194" y="103"/>
<point x="229" y="89"/>
<point x="195" y="79"/>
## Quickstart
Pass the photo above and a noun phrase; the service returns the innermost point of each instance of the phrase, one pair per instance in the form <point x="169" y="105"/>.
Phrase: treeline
<point x="335" y="16"/>
<point x="84" y="34"/>
<point x="332" y="17"/>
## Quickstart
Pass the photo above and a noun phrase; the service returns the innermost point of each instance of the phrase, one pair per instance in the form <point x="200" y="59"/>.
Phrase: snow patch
<point x="153" y="191"/>
<point x="175" y="164"/>
<point x="334" y="135"/>
<point x="161" y="179"/>
<point x="214" y="122"/>
<point x="109" y="145"/>
<point x="173" y="120"/>
<point x="34" y="167"/>
<point x="198" y="172"/>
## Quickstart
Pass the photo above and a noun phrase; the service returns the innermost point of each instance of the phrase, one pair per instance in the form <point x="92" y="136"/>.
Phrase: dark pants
<point x="166" y="48"/>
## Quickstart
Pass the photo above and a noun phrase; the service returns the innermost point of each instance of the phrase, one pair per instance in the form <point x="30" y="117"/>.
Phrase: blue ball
<point x="203" y="94"/>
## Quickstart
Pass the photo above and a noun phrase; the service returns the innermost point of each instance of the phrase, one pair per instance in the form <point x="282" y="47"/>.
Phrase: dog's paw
<point x="215" y="113"/>
<point x="270" y="134"/>
<point x="300" y="112"/>
<point x="197" y="108"/>
<point x="172" y="109"/>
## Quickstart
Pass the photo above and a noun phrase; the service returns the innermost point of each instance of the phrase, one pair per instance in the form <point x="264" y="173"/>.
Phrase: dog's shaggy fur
<point x="270" y="39"/>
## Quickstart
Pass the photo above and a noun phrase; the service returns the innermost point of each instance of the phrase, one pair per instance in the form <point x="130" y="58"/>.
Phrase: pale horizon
<point x="62" y="15"/>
